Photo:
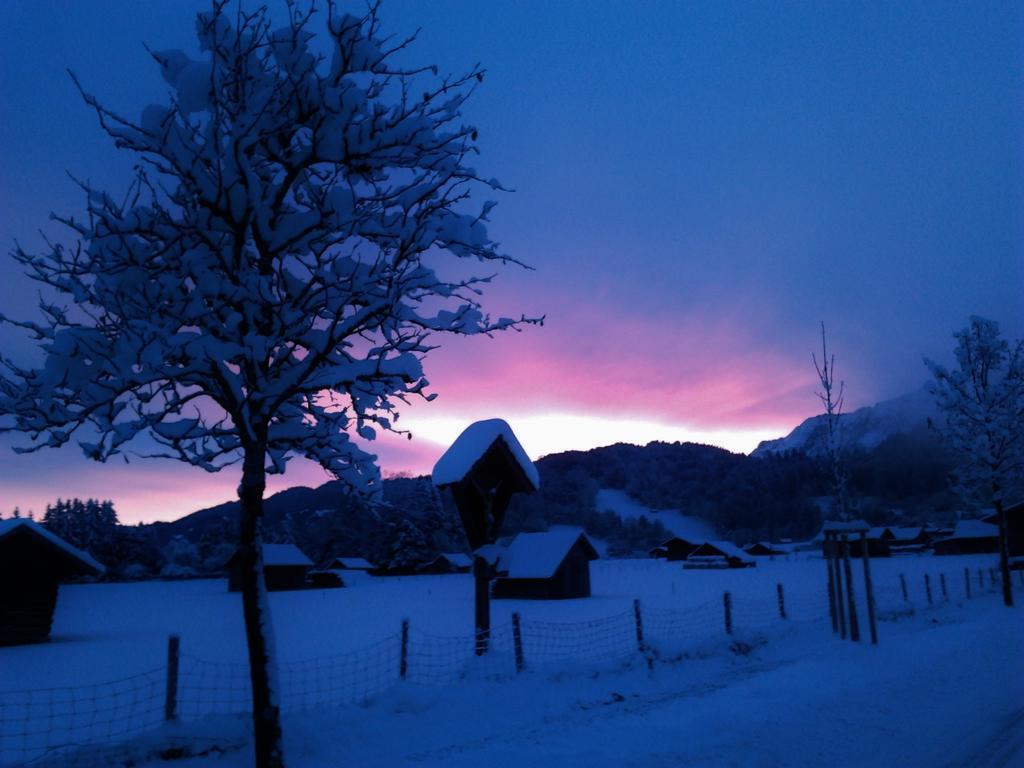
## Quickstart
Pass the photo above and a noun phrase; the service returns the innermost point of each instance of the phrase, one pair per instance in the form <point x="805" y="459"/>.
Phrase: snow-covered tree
<point x="832" y="397"/>
<point x="299" y="227"/>
<point x="982" y="407"/>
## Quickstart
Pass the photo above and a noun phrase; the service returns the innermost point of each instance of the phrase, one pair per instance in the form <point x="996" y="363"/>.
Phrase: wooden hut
<point x="448" y="562"/>
<point x="970" y="537"/>
<point x="718" y="554"/>
<point x="284" y="567"/>
<point x="554" y="565"/>
<point x="907" y="539"/>
<point x="348" y="563"/>
<point x="675" y="548"/>
<point x="1014" y="527"/>
<point x="33" y="563"/>
<point x="765" y="549"/>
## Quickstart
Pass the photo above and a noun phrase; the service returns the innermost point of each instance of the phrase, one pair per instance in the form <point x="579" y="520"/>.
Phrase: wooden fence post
<point x="848" y="576"/>
<point x="782" y="601"/>
<point x="403" y="663"/>
<point x="942" y="586"/>
<point x="171" y="700"/>
<point x="517" y="641"/>
<point x="981" y="580"/>
<point x="639" y="624"/>
<point x="967" y="582"/>
<point x="727" y="604"/>
<point x="903" y="586"/>
<point x="869" y="590"/>
<point x="827" y="551"/>
<point x="928" y="588"/>
<point x="992" y="577"/>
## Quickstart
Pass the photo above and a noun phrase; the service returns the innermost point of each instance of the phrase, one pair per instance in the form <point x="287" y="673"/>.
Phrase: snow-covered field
<point x="938" y="688"/>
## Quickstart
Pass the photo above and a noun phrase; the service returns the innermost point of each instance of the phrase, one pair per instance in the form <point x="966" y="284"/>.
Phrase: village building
<point x="284" y="567"/>
<point x="907" y="539"/>
<point x="765" y="549"/>
<point x="676" y="548"/>
<point x="347" y="563"/>
<point x="553" y="565"/>
<point x="970" y="537"/>
<point x="448" y="562"/>
<point x="33" y="563"/>
<point x="1014" y="530"/>
<point x="718" y="554"/>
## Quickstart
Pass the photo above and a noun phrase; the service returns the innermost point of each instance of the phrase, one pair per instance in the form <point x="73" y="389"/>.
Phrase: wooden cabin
<point x="348" y="563"/>
<point x="1014" y="527"/>
<point x="448" y="562"/>
<point x="675" y="548"/>
<point x="907" y="539"/>
<point x="718" y="554"/>
<point x="970" y="537"/>
<point x="284" y="567"/>
<point x="554" y="565"/>
<point x="765" y="549"/>
<point x="33" y="563"/>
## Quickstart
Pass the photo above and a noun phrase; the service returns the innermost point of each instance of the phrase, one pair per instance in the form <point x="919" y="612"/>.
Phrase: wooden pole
<point x="171" y="699"/>
<point x="782" y="601"/>
<point x="848" y="576"/>
<point x="403" y="663"/>
<point x="827" y="551"/>
<point x="981" y="580"/>
<point x="517" y="641"/>
<point x="928" y="588"/>
<point x="727" y="605"/>
<point x="903" y="586"/>
<point x="869" y="590"/>
<point x="840" y="604"/>
<point x="942" y="586"/>
<point x="967" y="582"/>
<point x="482" y="602"/>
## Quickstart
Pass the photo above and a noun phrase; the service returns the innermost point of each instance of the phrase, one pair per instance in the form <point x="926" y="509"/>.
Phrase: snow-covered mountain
<point x="862" y="429"/>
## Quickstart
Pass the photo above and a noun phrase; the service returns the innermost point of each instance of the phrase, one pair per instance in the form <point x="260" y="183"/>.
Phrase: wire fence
<point x="125" y="721"/>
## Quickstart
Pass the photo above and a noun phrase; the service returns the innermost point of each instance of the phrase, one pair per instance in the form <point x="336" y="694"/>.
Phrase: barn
<point x="1014" y="528"/>
<point x="448" y="562"/>
<point x="284" y="567"/>
<point x="554" y="565"/>
<point x="718" y="554"/>
<point x="907" y="539"/>
<point x="765" y="549"/>
<point x="970" y="537"/>
<point x="675" y="548"/>
<point x="33" y="562"/>
<point x="348" y="563"/>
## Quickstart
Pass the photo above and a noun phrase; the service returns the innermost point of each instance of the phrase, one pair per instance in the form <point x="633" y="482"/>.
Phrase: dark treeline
<point x="902" y="480"/>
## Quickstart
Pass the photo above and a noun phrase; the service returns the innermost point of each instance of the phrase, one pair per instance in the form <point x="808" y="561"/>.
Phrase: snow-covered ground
<point x="938" y="689"/>
<point x="685" y="526"/>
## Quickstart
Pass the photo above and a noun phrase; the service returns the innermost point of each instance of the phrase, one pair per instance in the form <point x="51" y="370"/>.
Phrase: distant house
<point x="33" y="562"/>
<point x="553" y="565"/>
<point x="675" y="548"/>
<point x="877" y="540"/>
<point x="908" y="539"/>
<point x="718" y="554"/>
<point x="284" y="567"/>
<point x="970" y="537"/>
<point x="348" y="564"/>
<point x="448" y="562"/>
<point x="765" y="549"/>
<point x="1014" y="527"/>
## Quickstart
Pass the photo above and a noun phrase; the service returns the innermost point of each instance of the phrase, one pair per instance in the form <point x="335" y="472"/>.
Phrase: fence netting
<point x="103" y="724"/>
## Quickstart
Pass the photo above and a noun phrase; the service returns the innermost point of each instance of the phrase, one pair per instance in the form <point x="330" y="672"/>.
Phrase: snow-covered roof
<point x="284" y="554"/>
<point x="974" y="529"/>
<point x="490" y="552"/>
<point x="353" y="563"/>
<point x="472" y="444"/>
<point x="538" y="555"/>
<point x="728" y="549"/>
<point x="906" y="533"/>
<point x="10" y="525"/>
<point x="878" y="531"/>
<point x="458" y="559"/>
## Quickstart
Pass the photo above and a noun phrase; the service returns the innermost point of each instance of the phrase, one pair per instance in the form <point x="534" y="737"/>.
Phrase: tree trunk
<point x="259" y="634"/>
<point x="1004" y="553"/>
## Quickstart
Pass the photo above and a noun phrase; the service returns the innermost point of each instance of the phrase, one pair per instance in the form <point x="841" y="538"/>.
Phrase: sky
<point x="696" y="186"/>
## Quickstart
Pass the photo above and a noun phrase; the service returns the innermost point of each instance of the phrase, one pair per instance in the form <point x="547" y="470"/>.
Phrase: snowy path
<point x="944" y="688"/>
